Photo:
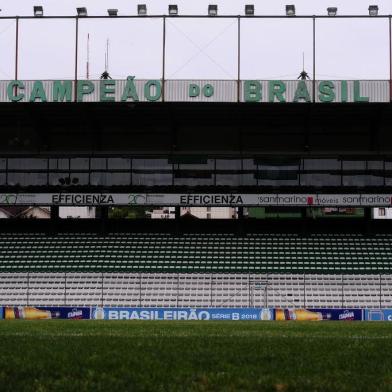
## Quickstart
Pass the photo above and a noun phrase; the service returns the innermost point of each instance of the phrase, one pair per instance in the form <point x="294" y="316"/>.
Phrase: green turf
<point x="195" y="356"/>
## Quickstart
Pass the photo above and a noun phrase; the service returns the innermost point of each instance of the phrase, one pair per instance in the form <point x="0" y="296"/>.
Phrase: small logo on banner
<point x="98" y="314"/>
<point x="137" y="199"/>
<point x="310" y="200"/>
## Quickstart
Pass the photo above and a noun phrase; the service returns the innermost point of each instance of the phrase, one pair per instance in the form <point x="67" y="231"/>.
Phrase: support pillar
<point x="103" y="216"/>
<point x="241" y="226"/>
<point x="54" y="219"/>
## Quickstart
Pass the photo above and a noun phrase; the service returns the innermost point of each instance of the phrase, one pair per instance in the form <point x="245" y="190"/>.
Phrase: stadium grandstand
<point x="196" y="193"/>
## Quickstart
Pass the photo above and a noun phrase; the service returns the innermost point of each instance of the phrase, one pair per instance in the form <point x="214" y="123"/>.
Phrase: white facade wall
<point x="382" y="213"/>
<point x="77" y="212"/>
<point x="210" y="212"/>
<point x="163" y="213"/>
<point x="3" y="215"/>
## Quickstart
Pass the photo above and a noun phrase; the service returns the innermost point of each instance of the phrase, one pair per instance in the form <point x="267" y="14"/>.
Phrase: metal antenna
<point x="88" y="57"/>
<point x="105" y="74"/>
<point x="107" y="56"/>
<point x="303" y="74"/>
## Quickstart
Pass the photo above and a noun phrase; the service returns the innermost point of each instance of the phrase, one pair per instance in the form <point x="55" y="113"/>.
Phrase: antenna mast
<point x="303" y="75"/>
<point x="105" y="74"/>
<point x="107" y="56"/>
<point x="88" y="57"/>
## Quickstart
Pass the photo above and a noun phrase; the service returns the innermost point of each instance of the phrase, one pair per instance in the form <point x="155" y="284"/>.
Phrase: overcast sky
<point x="196" y="49"/>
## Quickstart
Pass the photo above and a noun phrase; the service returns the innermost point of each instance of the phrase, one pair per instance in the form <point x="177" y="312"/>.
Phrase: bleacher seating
<point x="196" y="253"/>
<point x="196" y="270"/>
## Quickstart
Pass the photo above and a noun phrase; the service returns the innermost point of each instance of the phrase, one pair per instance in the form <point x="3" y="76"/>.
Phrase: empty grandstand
<point x="297" y="165"/>
<point x="196" y="270"/>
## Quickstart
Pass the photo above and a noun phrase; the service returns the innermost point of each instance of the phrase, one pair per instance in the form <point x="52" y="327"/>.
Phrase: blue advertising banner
<point x="317" y="314"/>
<point x="45" y="313"/>
<point x="378" y="314"/>
<point x="340" y="314"/>
<point x="1" y="313"/>
<point x="233" y="314"/>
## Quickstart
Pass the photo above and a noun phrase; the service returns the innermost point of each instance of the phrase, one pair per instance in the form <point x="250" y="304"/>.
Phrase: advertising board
<point x="192" y="199"/>
<point x="317" y="314"/>
<point x="377" y="315"/>
<point x="233" y="314"/>
<point x="45" y="313"/>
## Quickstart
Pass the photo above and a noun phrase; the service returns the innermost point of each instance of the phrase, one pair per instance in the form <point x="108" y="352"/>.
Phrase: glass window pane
<point x="27" y="163"/>
<point x="151" y="179"/>
<point x="320" y="179"/>
<point x="321" y="164"/>
<point x="194" y="181"/>
<point x="119" y="163"/>
<point x="79" y="178"/>
<point x="249" y="164"/>
<point x="375" y="165"/>
<point x="265" y="182"/>
<point x="151" y="164"/>
<point x="80" y="164"/>
<point x="354" y="165"/>
<point x="228" y="164"/>
<point x="388" y="165"/>
<point x="26" y="179"/>
<point x="110" y="178"/>
<point x="59" y="164"/>
<point x="363" y="180"/>
<point x="210" y="163"/>
<point x="98" y="163"/>
<point x="54" y="178"/>
<point x="236" y="179"/>
<point x="228" y="179"/>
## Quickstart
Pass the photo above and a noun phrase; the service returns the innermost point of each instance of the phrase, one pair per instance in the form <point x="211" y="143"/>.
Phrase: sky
<point x="196" y="48"/>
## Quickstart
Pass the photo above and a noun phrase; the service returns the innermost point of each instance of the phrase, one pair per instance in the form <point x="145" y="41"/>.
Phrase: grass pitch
<point x="195" y="356"/>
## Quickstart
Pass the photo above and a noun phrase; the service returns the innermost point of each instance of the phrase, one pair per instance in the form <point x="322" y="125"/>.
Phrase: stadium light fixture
<point x="332" y="11"/>
<point x="141" y="9"/>
<point x="112" y="12"/>
<point x="173" y="9"/>
<point x="82" y="12"/>
<point x="249" y="9"/>
<point x="38" y="11"/>
<point x="373" y="10"/>
<point x="290" y="10"/>
<point x="212" y="10"/>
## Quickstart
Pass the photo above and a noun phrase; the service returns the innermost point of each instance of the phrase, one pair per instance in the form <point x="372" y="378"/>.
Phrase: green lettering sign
<point x="344" y="91"/>
<point x="302" y="92"/>
<point x="107" y="86"/>
<point x="130" y="90"/>
<point x="85" y="87"/>
<point x="357" y="92"/>
<point x="153" y="85"/>
<point x="276" y="89"/>
<point x="62" y="90"/>
<point x="194" y="90"/>
<point x="252" y="91"/>
<point x="208" y="90"/>
<point x="38" y="92"/>
<point x="12" y="90"/>
<point x="327" y="93"/>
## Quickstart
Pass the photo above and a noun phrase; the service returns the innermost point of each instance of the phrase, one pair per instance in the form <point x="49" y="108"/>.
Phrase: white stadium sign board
<point x="177" y="199"/>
